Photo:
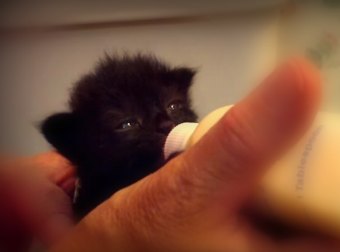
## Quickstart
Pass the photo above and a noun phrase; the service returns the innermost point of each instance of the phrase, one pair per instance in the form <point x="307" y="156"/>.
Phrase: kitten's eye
<point x="129" y="124"/>
<point x="175" y="106"/>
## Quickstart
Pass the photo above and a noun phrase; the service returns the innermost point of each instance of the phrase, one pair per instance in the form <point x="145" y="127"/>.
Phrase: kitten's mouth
<point x="160" y="162"/>
<point x="161" y="159"/>
<point x="151" y="151"/>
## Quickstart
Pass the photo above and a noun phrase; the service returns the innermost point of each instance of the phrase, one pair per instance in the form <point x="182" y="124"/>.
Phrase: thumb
<point x="255" y="132"/>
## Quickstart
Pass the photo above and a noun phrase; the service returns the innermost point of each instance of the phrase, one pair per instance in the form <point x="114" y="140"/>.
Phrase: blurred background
<point x="45" y="46"/>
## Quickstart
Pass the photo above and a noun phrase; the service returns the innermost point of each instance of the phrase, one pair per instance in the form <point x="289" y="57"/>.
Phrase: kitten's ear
<point x="184" y="77"/>
<point x="61" y="131"/>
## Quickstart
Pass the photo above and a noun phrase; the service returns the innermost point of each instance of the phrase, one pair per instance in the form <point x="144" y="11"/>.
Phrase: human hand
<point x="33" y="200"/>
<point x="195" y="202"/>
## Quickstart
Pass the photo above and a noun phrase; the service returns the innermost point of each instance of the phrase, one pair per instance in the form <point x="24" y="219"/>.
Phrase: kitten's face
<point x="120" y="116"/>
<point x="129" y="130"/>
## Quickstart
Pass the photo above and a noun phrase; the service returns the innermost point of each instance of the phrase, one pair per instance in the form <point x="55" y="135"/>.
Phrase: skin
<point x="195" y="202"/>
<point x="35" y="202"/>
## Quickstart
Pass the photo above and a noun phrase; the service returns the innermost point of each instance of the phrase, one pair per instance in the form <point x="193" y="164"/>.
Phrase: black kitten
<point x="119" y="117"/>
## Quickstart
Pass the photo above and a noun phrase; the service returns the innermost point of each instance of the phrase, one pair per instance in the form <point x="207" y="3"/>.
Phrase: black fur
<point x="119" y="117"/>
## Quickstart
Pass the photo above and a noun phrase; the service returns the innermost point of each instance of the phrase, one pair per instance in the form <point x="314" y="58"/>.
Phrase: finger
<point x="56" y="168"/>
<point x="48" y="213"/>
<point x="41" y="207"/>
<point x="237" y="150"/>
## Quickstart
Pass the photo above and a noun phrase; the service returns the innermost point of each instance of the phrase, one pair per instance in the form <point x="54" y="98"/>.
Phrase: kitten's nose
<point x="165" y="127"/>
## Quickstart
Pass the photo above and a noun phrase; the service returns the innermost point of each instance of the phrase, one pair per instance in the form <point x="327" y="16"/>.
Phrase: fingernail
<point x="69" y="185"/>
